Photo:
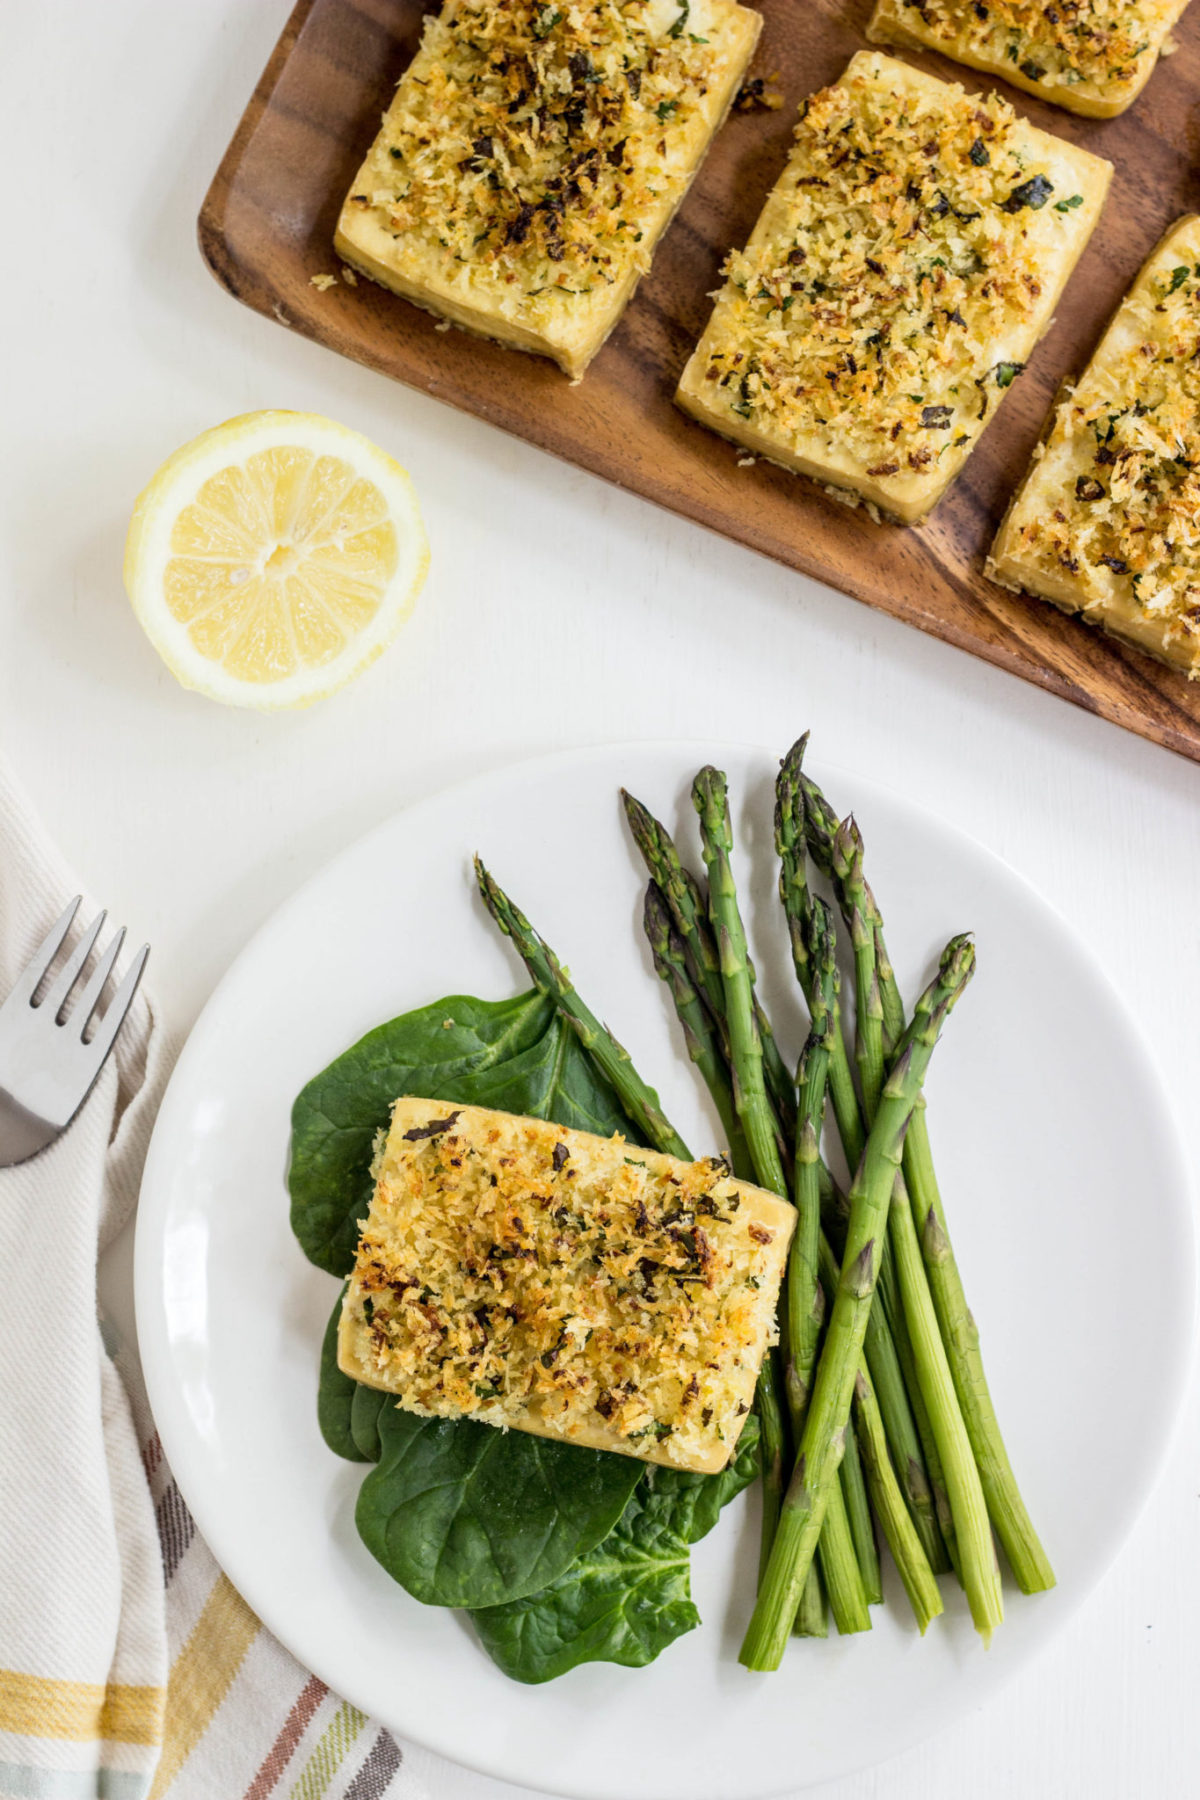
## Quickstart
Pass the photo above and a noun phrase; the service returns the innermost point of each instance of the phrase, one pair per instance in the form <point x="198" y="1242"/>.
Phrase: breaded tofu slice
<point x="573" y="1286"/>
<point x="902" y="270"/>
<point x="535" y="154"/>
<point x="1107" y="523"/>
<point x="1092" y="56"/>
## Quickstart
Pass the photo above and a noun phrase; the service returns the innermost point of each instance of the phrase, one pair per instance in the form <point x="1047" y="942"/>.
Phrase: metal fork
<point x="48" y="1065"/>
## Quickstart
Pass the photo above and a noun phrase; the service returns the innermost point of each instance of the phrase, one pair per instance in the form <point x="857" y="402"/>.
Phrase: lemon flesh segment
<point x="273" y="558"/>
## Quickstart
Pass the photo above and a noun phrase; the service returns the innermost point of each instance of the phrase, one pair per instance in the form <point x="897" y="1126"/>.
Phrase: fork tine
<point x="30" y="977"/>
<point x="122" y="1000"/>
<point x="90" y="998"/>
<point x="59" y="992"/>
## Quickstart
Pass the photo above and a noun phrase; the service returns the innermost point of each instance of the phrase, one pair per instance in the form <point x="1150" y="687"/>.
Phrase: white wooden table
<point x="558" y="611"/>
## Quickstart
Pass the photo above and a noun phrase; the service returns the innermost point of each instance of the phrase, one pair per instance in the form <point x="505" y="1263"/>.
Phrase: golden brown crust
<point x="898" y="277"/>
<point x="534" y="155"/>
<point x="570" y="1285"/>
<point x="1107" y="521"/>
<point x="1092" y="58"/>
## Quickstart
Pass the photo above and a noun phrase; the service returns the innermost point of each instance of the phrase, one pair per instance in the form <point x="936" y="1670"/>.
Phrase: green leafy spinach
<point x="462" y="1514"/>
<point x="630" y="1597"/>
<point x="336" y="1394"/>
<point x="516" y="1055"/>
<point x="564" y="1555"/>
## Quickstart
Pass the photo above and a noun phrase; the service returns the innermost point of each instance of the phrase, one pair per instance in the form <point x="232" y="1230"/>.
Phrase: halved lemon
<point x="274" y="557"/>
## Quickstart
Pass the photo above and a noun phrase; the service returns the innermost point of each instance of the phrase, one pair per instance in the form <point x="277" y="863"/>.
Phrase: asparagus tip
<point x="790" y="764"/>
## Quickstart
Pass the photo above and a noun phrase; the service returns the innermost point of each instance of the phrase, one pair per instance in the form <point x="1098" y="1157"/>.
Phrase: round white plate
<point x="1054" y="1145"/>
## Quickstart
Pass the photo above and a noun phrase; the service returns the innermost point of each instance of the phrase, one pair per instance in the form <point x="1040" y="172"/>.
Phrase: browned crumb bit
<point x="1101" y="42"/>
<point x="755" y="95"/>
<point x="487" y="1283"/>
<point x="538" y="141"/>
<point x="1135" y="510"/>
<point x="871" y="320"/>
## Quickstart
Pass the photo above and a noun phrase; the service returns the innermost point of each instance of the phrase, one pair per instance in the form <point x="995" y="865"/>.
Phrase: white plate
<point x="1059" y="1162"/>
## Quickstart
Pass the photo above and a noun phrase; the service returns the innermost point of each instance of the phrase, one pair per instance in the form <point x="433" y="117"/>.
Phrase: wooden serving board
<point x="267" y="224"/>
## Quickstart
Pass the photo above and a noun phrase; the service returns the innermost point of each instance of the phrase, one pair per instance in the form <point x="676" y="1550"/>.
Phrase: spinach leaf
<point x="365" y="1413"/>
<point x="336" y="1394"/>
<point x="630" y="1597"/>
<point x="347" y="1411"/>
<point x="516" y="1055"/>
<point x="463" y="1514"/>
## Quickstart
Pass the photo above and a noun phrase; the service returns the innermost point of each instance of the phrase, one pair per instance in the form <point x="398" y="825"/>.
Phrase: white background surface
<point x="557" y="611"/>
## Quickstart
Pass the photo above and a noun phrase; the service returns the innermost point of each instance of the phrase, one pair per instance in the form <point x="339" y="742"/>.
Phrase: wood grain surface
<point x="266" y="227"/>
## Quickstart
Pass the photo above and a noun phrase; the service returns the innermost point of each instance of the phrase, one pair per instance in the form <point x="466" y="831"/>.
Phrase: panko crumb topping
<point x="509" y="1268"/>
<point x="912" y="235"/>
<point x="1129" y="523"/>
<point x="532" y="140"/>
<point x="1103" y="44"/>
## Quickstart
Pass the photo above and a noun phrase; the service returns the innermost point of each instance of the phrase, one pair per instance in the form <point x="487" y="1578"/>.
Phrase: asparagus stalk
<point x="852" y="1485"/>
<point x="920" y="1583"/>
<point x="894" y="1371"/>
<point x="689" y="910"/>
<point x="976" y="1552"/>
<point x="843" y="1579"/>
<point x="639" y="1101"/>
<point x="670" y="962"/>
<point x="710" y="798"/>
<point x="889" y="1353"/>
<point x="972" y="1531"/>
<point x="812" y="1619"/>
<point x="705" y="1052"/>
<point x="1030" y="1565"/>
<point x="772" y="1452"/>
<point x="805" y="1298"/>
<point x="868" y="1038"/>
<point x="825" y="1425"/>
<point x="797" y="906"/>
<point x="642" y="1105"/>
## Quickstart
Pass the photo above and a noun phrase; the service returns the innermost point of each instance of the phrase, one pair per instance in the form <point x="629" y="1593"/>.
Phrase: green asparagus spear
<point x="868" y="1039"/>
<point x="1030" y="1565"/>
<point x="710" y="798"/>
<point x="894" y="1372"/>
<point x="642" y="1105"/>
<point x="843" y="1579"/>
<point x="670" y="961"/>
<point x="805" y="1302"/>
<point x="889" y="1353"/>
<point x="972" y="1532"/>
<point x="701" y="1037"/>
<point x="1006" y="1508"/>
<point x="825" y="1425"/>
<point x="900" y="1533"/>
<point x="804" y="1299"/>
<point x="772" y="1452"/>
<point x="689" y="910"/>
<point x="639" y="1101"/>
<point x="797" y="906"/>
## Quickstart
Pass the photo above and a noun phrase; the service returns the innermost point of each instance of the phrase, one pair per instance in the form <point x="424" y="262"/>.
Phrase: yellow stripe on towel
<point x="202" y="1675"/>
<point x="81" y="1711"/>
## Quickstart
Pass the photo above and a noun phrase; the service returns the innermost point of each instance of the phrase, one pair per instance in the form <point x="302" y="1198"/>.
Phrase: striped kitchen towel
<point x="82" y="1625"/>
<point x="244" y="1720"/>
<point x="130" y="1668"/>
